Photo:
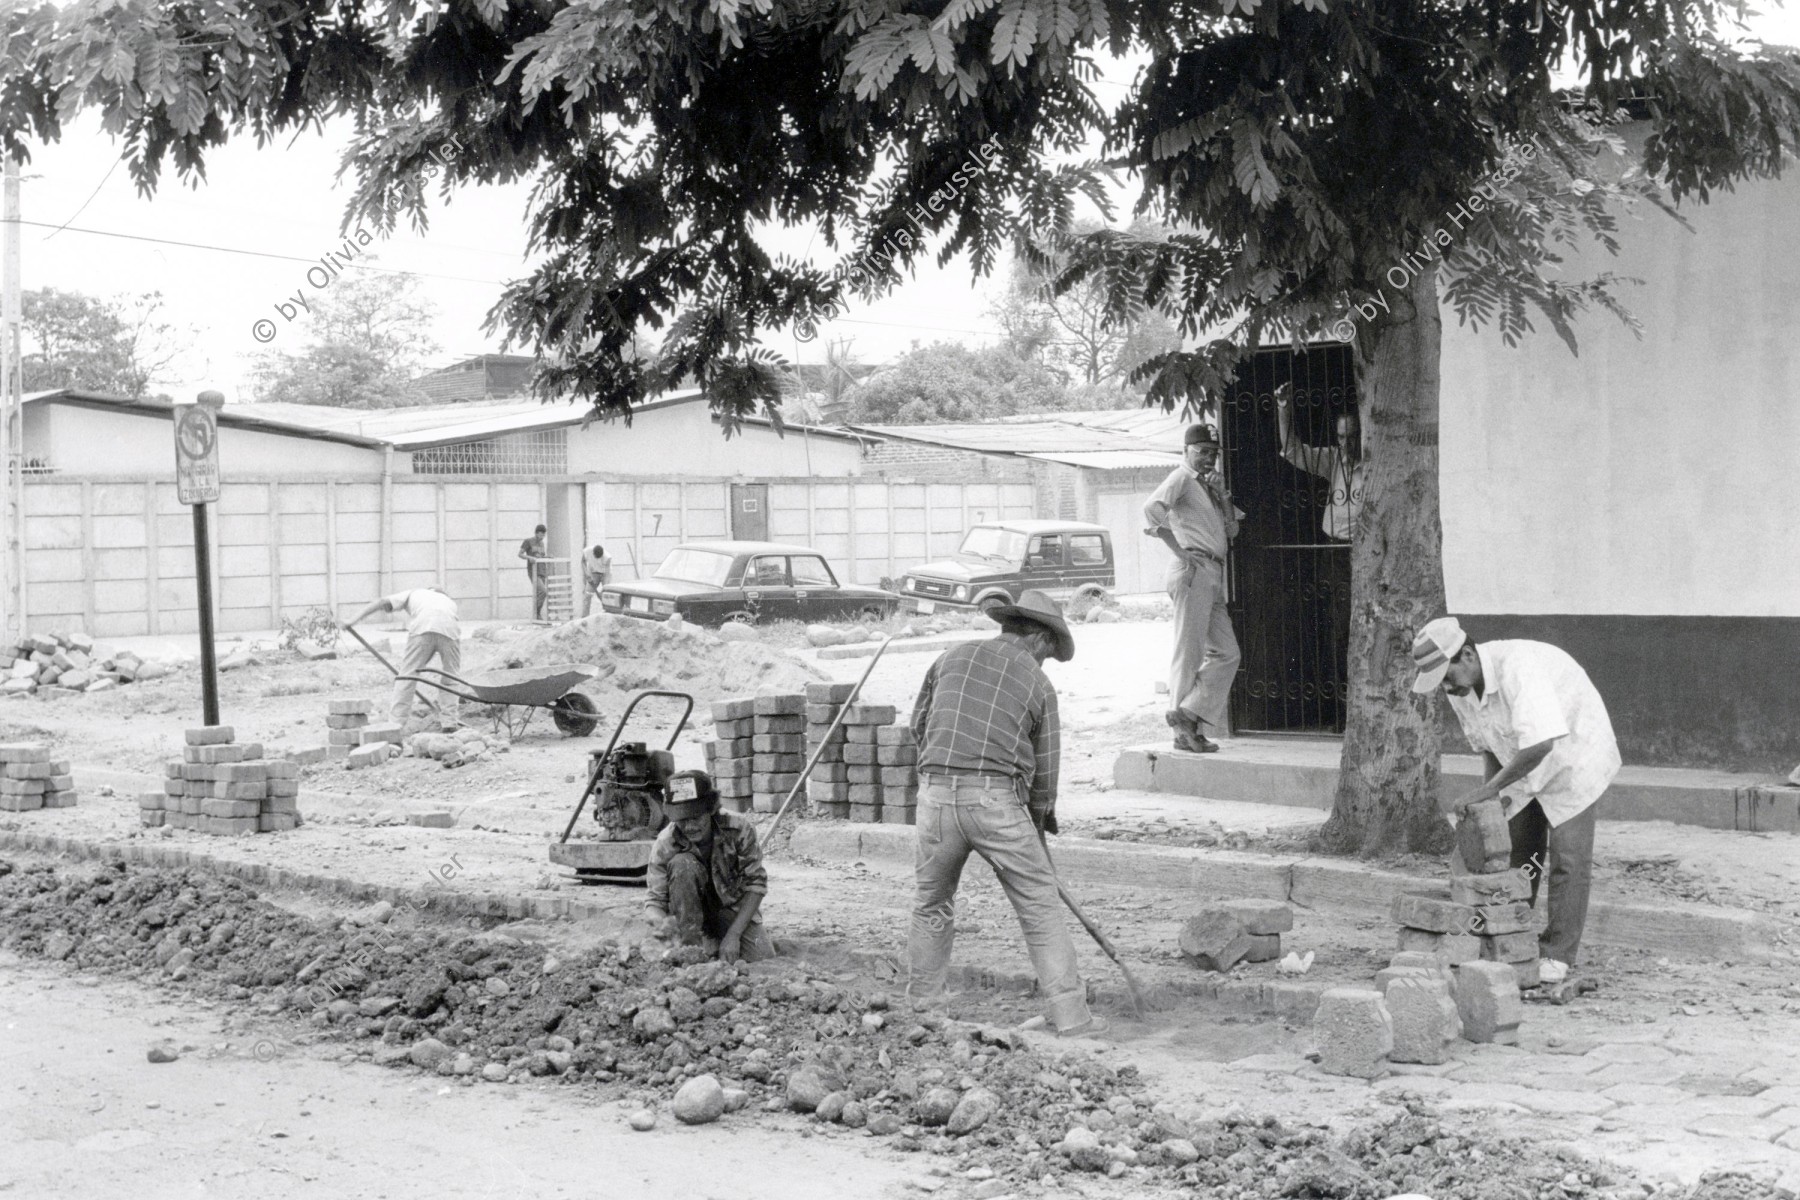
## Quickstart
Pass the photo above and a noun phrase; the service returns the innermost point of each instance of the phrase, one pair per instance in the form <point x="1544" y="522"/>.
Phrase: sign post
<point x="197" y="485"/>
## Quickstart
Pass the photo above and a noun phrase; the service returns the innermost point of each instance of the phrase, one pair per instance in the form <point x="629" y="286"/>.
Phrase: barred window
<point x="539" y="452"/>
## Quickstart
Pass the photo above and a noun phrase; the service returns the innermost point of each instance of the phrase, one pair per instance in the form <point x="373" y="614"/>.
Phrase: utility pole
<point x="12" y="416"/>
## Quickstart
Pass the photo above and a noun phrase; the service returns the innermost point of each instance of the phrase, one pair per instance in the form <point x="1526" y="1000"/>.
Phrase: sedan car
<point x="999" y="559"/>
<point x="710" y="583"/>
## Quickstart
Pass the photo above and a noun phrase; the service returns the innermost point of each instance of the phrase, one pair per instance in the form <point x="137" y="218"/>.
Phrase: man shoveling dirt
<point x="432" y="631"/>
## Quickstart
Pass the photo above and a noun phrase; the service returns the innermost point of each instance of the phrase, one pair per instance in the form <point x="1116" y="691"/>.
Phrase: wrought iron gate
<point x="1290" y="563"/>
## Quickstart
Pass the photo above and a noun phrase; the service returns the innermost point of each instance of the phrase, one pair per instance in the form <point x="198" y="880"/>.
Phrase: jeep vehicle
<point x="999" y="559"/>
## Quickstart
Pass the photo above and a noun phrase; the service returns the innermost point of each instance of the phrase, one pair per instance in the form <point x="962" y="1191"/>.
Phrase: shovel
<point x="1105" y="943"/>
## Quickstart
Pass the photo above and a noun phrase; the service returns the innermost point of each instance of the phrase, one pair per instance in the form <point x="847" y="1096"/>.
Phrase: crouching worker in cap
<point x="990" y="747"/>
<point x="706" y="875"/>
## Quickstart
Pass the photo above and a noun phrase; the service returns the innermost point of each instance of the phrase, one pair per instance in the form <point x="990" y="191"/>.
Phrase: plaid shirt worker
<point x="987" y="708"/>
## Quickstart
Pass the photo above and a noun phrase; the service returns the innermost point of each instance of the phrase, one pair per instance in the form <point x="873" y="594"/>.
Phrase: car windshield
<point x="695" y="566"/>
<point x="989" y="541"/>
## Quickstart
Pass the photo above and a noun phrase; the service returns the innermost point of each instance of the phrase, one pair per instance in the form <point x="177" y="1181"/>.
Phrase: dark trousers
<point x="698" y="914"/>
<point x="1570" y="850"/>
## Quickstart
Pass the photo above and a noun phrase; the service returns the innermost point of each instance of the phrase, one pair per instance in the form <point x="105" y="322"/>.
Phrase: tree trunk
<point x="1389" y="774"/>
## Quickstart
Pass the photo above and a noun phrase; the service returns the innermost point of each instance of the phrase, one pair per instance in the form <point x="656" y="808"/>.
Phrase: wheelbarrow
<point x="527" y="688"/>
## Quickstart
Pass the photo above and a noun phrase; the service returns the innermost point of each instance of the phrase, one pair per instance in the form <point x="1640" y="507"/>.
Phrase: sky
<point x="232" y="254"/>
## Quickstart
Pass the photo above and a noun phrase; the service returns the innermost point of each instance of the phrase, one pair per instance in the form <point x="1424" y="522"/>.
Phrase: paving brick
<point x="213" y="755"/>
<point x="1727" y="1126"/>
<point x="742" y="727"/>
<point x="778" y="743"/>
<point x="281" y="804"/>
<point x="1510" y="947"/>
<point x="905" y="797"/>
<point x="344" y="707"/>
<point x="343" y="737"/>
<point x="1215" y="939"/>
<point x="246" y="791"/>
<point x="1494" y="920"/>
<point x="1260" y="917"/>
<point x="276" y="822"/>
<point x="732" y="768"/>
<point x="368" y="735"/>
<point x="1353" y="1031"/>
<point x="828" y="693"/>
<point x="1483" y="838"/>
<point x="20" y="803"/>
<point x="820" y="715"/>
<point x="306" y="756"/>
<point x="896" y="756"/>
<point x="830" y="772"/>
<point x="785" y="704"/>
<point x="1631" y="1052"/>
<point x="275" y="768"/>
<point x="897" y="814"/>
<point x="862" y="774"/>
<point x="870" y="714"/>
<point x="779" y="723"/>
<point x="773" y="781"/>
<point x="372" y="755"/>
<point x="1549" y="1102"/>
<point x="861" y="754"/>
<point x="766" y="802"/>
<point x="1487" y="1000"/>
<point x="824" y="791"/>
<point x="835" y="810"/>
<point x="210" y="735"/>
<point x="151" y="800"/>
<point x="1652" y="1073"/>
<point x="1657" y="1094"/>
<point x="733" y="710"/>
<point x="898" y="777"/>
<point x="781" y="763"/>
<point x="1418" y="940"/>
<point x="347" y="722"/>
<point x="865" y="793"/>
<point x="23" y="787"/>
<point x="1428" y="912"/>
<point x="895" y="735"/>
<point x="230" y="808"/>
<point x="33" y="770"/>
<point x="863" y="735"/>
<point x="1424" y="1018"/>
<point x="867" y="814"/>
<point x="1493" y="888"/>
<point x="244" y="772"/>
<point x="63" y="798"/>
<point x="1264" y="947"/>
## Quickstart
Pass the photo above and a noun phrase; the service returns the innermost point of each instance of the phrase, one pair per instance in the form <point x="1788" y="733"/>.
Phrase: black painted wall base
<point x="1719" y="692"/>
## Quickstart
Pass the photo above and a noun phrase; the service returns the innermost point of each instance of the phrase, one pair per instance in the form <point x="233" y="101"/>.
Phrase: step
<point x="1698" y="932"/>
<point x="1304" y="774"/>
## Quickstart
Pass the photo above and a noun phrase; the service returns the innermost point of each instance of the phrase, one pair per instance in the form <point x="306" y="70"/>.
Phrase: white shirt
<point x="427" y="611"/>
<point x="1346" y="487"/>
<point x="1533" y="691"/>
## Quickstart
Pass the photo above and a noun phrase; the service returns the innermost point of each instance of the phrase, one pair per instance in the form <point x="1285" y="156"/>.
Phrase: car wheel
<point x="987" y="604"/>
<point x="1093" y="592"/>
<point x="742" y="615"/>
<point x="873" y="612"/>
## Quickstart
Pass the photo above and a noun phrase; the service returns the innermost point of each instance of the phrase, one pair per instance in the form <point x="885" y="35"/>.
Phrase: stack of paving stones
<point x="30" y="779"/>
<point x="349" y="734"/>
<point x="1486" y="914"/>
<point x="828" y="787"/>
<point x="731" y="755"/>
<point x="221" y="787"/>
<point x="1218" y="938"/>
<point x="778" y="748"/>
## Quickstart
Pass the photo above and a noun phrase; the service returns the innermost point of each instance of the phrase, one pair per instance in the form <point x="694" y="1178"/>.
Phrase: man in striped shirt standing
<point x="989" y="752"/>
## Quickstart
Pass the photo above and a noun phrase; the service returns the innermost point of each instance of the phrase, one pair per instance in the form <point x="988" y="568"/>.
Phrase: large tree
<point x="948" y="381"/>
<point x="1318" y="147"/>
<point x="368" y="340"/>
<point x="118" y="345"/>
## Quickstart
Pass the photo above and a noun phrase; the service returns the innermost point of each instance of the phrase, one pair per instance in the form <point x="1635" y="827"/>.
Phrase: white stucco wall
<point x="91" y="441"/>
<point x="682" y="440"/>
<point x="1646" y="477"/>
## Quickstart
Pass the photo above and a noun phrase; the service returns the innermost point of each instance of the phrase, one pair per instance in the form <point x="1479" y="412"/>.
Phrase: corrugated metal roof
<point x="1063" y="433"/>
<point x="1113" y="460"/>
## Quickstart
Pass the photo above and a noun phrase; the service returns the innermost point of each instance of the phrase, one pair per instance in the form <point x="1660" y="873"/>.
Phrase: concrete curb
<point x="1711" y="799"/>
<point x="1689" y="931"/>
<point x="911" y="646"/>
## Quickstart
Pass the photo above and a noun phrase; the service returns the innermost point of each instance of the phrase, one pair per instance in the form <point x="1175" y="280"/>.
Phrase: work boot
<point x="1194" y="742"/>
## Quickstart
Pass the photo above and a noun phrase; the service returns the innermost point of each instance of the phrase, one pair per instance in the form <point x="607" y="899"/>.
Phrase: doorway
<point x="1290" y="570"/>
<point x="750" y="512"/>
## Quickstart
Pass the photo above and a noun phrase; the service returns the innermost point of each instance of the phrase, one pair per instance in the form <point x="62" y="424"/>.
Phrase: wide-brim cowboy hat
<point x="1035" y="606"/>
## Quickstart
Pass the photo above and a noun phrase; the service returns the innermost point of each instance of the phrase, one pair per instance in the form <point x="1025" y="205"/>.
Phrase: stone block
<point x="778" y="743"/>
<point x="789" y="704"/>
<point x="773" y="781"/>
<point x="346" y="707"/>
<point x="1215" y="939"/>
<point x="867" y="814"/>
<point x="905" y="797"/>
<point x="1495" y="887"/>
<point x="1509" y="947"/>
<point x="820" y="714"/>
<point x="1487" y="999"/>
<point x="733" y="710"/>
<point x="1264" y="947"/>
<point x="870" y="714"/>
<point x="368" y="735"/>
<point x="778" y="764"/>
<point x="151" y="818"/>
<point x="277" y="822"/>
<point x="283" y="787"/>
<point x="835" y="810"/>
<point x="306" y="756"/>
<point x="36" y="770"/>
<point x="1425" y="1023"/>
<point x="372" y="755"/>
<point x="151" y="800"/>
<point x="246" y="791"/>
<point x="1497" y="919"/>
<point x="63" y="798"/>
<point x="23" y="787"/>
<point x="861" y="754"/>
<point x="829" y="693"/>
<point x="229" y="808"/>
<point x="864" y="735"/>
<point x="898" y="814"/>
<point x="20" y="803"/>
<point x="898" y="777"/>
<point x="896" y="756"/>
<point x="345" y="738"/>
<point x="778" y="723"/>
<point x="766" y="802"/>
<point x="727" y="731"/>
<point x="215" y="754"/>
<point x="1483" y="839"/>
<point x="865" y="793"/>
<point x="281" y="804"/>
<point x="24" y="752"/>
<point x="244" y="772"/>
<point x="894" y="735"/>
<point x="275" y="768"/>
<point x="1354" y="1032"/>
<point x="821" y="791"/>
<point x="1430" y="913"/>
<point x="210" y="735"/>
<point x="346" y="720"/>
<point x="1527" y="971"/>
<point x="1260" y="917"/>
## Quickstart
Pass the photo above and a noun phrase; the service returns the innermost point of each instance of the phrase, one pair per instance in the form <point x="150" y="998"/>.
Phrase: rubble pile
<point x="30" y="779"/>
<point x="222" y="787"/>
<point x="490" y="1007"/>
<point x="61" y="664"/>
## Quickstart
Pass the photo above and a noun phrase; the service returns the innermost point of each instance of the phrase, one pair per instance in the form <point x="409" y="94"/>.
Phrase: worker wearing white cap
<point x="1548" y="744"/>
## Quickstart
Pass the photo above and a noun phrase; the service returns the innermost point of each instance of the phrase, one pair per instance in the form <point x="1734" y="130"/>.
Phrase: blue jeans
<point x="962" y="814"/>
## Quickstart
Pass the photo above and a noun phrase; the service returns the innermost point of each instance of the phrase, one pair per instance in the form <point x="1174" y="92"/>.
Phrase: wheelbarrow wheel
<point x="575" y="714"/>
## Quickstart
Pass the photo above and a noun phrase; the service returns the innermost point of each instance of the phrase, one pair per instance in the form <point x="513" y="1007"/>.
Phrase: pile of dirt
<point x="634" y="655"/>
<point x="492" y="1007"/>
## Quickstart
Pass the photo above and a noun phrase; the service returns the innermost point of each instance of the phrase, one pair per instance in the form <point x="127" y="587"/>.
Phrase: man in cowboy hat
<point x="706" y="876"/>
<point x="1548" y="745"/>
<point x="990" y="747"/>
<point x="1191" y="513"/>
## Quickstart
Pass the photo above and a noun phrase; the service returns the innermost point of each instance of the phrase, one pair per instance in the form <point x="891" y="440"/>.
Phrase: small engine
<point x="633" y="786"/>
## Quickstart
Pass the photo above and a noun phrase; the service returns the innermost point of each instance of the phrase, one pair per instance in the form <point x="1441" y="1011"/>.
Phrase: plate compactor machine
<point x="629" y="784"/>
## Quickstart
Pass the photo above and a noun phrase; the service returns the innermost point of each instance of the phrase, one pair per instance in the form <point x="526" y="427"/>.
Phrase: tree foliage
<point x="118" y="346"/>
<point x="369" y="341"/>
<point x="949" y="381"/>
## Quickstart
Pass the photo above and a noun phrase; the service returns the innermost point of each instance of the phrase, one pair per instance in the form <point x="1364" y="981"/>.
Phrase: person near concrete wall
<point x="990" y="749"/>
<point x="1340" y="465"/>
<point x="1548" y="745"/>
<point x="706" y="880"/>
<point x="536" y="554"/>
<point x="596" y="573"/>
<point x="1191" y="513"/>
<point x="432" y="632"/>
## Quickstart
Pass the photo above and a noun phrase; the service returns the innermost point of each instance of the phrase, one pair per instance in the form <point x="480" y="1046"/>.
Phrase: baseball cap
<point x="1436" y="644"/>
<point x="691" y="794"/>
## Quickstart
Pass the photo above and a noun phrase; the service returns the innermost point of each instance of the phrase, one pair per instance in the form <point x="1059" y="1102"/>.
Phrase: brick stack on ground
<point x="1486" y="913"/>
<point x="222" y="787"/>
<point x="31" y="779"/>
<point x="881" y="765"/>
<point x="731" y="755"/>
<point x="828" y="787"/>
<point x="350" y="734"/>
<point x="61" y="664"/>
<point x="778" y="748"/>
<point x="1219" y="937"/>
